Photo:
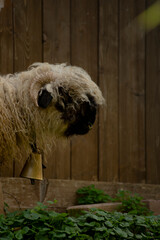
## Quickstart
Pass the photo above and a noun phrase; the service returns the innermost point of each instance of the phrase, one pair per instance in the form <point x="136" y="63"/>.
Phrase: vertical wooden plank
<point x="56" y="31"/>
<point x="28" y="33"/>
<point x="153" y="104"/>
<point x="56" y="34"/>
<point x="84" y="54"/>
<point x="6" y="38"/>
<point x="108" y="79"/>
<point x="131" y="93"/>
<point x="1" y="200"/>
<point x="6" y="61"/>
<point x="27" y="42"/>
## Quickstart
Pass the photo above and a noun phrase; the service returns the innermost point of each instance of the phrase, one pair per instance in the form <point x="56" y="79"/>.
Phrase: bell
<point x="33" y="167"/>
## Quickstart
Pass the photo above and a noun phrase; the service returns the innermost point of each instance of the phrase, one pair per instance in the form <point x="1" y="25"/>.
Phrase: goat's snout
<point x="85" y="117"/>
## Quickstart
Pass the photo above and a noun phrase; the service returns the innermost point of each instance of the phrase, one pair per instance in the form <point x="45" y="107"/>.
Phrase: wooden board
<point x="28" y="33"/>
<point x="65" y="190"/>
<point x="56" y="31"/>
<point x="27" y="42"/>
<point x="131" y="93"/>
<point x="19" y="194"/>
<point x="6" y="39"/>
<point x="153" y="104"/>
<point x="108" y="80"/>
<point x="6" y="61"/>
<point x="56" y="47"/>
<point x="1" y="200"/>
<point x="84" y="36"/>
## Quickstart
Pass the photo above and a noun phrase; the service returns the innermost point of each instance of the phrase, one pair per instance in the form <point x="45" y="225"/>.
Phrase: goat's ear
<point x="44" y="98"/>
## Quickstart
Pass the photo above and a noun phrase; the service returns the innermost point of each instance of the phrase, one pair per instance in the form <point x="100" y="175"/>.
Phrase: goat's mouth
<point x="77" y="129"/>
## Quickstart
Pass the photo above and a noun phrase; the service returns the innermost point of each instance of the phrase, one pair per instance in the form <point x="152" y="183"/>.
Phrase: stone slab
<point x="109" y="207"/>
<point x="152" y="205"/>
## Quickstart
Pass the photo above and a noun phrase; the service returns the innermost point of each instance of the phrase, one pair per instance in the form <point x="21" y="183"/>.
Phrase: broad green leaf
<point x="138" y="236"/>
<point x="19" y="235"/>
<point x="120" y="232"/>
<point x="108" y="224"/>
<point x="32" y="215"/>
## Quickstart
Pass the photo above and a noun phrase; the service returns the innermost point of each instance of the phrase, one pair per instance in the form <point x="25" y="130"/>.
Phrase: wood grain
<point x="28" y="33"/>
<point x="56" y="49"/>
<point x="1" y="200"/>
<point x="27" y="42"/>
<point x="108" y="80"/>
<point x="19" y="194"/>
<point x="131" y="93"/>
<point x="56" y="31"/>
<point x="84" y="36"/>
<point x="6" y="63"/>
<point x="6" y="39"/>
<point x="153" y="104"/>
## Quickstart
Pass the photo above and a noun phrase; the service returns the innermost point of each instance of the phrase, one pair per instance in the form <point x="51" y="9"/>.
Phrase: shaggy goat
<point x="45" y="102"/>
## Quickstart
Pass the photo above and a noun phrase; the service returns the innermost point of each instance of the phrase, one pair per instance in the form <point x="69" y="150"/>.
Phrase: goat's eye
<point x="44" y="98"/>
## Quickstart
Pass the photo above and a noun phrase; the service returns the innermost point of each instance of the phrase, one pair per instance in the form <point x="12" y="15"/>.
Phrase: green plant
<point x="99" y="224"/>
<point x="90" y="194"/>
<point x="41" y="224"/>
<point x="130" y="203"/>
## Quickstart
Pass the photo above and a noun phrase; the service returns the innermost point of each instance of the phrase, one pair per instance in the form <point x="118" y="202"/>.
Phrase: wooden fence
<point x="103" y="37"/>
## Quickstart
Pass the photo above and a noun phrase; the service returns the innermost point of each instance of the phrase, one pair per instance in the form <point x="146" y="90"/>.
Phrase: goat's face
<point x="71" y="92"/>
<point x="79" y="116"/>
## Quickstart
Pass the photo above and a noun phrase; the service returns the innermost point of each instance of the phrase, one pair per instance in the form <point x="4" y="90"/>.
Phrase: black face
<point x="85" y="118"/>
<point x="80" y="116"/>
